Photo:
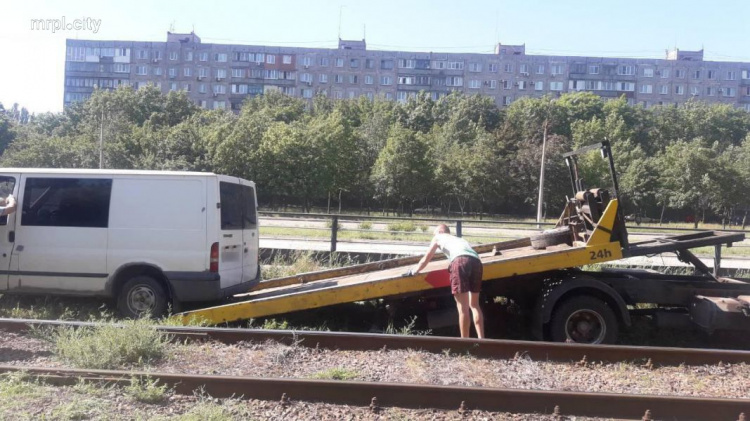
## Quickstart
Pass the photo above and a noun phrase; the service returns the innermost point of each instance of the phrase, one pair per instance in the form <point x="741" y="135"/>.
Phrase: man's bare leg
<point x="464" y="320"/>
<point x="476" y="310"/>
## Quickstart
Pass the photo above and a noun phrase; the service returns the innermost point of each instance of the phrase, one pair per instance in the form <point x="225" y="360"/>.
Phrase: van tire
<point x="142" y="296"/>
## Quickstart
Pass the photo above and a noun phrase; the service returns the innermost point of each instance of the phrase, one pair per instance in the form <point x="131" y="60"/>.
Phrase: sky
<point x="32" y="62"/>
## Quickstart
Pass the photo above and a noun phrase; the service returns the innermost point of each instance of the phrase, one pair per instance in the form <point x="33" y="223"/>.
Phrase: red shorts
<point x="465" y="274"/>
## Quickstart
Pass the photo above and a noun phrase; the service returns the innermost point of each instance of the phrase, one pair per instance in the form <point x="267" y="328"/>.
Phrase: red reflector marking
<point x="438" y="278"/>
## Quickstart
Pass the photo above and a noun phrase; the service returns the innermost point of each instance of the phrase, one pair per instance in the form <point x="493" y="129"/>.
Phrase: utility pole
<point x="101" y="141"/>
<point x="541" y="179"/>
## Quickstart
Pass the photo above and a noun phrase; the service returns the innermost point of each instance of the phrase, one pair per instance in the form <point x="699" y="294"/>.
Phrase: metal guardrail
<point x="459" y="224"/>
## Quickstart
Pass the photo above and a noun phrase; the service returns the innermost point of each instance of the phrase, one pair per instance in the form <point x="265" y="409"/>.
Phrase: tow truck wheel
<point x="583" y="319"/>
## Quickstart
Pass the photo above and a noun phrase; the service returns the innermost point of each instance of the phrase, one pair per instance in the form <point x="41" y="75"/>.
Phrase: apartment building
<point x="222" y="76"/>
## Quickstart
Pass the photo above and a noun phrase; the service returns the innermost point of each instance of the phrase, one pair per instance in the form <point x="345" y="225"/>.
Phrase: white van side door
<point x="61" y="234"/>
<point x="249" y="232"/>
<point x="230" y="231"/>
<point x="8" y="185"/>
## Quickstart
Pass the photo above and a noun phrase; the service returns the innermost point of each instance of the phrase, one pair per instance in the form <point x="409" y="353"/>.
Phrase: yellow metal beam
<point x="603" y="231"/>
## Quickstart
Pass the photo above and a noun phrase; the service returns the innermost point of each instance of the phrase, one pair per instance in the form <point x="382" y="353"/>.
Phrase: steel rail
<point x="408" y="395"/>
<point x="485" y="348"/>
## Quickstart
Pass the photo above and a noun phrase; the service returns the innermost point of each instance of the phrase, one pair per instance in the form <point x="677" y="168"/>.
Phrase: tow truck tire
<point x="583" y="319"/>
<point x="142" y="296"/>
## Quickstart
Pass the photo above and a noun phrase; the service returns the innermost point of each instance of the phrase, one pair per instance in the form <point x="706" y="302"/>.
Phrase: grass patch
<point x="403" y="226"/>
<point x="365" y="225"/>
<point x="133" y="342"/>
<point x="147" y="390"/>
<point x="53" y="308"/>
<point x="336" y="373"/>
<point x="19" y="383"/>
<point x="408" y="329"/>
<point x="329" y="224"/>
<point x="81" y="409"/>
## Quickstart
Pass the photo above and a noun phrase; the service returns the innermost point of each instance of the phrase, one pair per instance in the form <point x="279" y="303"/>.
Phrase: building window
<point x="679" y="73"/>
<point x="648" y="72"/>
<point x="270" y="74"/>
<point x="324" y="62"/>
<point x="173" y="86"/>
<point x="539" y="69"/>
<point x="508" y="68"/>
<point x="323" y="78"/>
<point x="664" y="73"/>
<point x="407" y="64"/>
<point x="594" y="69"/>
<point x="492" y="67"/>
<point x="454" y="81"/>
<point x="221" y="57"/>
<point x="172" y="72"/>
<point x="220" y="89"/>
<point x="696" y="74"/>
<point x="203" y="57"/>
<point x="521" y="85"/>
<point x="270" y="59"/>
<point x="370" y="64"/>
<point x="625" y="86"/>
<point x="353" y="79"/>
<point x="237" y="72"/>
<point x="694" y="91"/>
<point x="157" y="71"/>
<point x="305" y="77"/>
<point x="121" y="68"/>
<point x="455" y="65"/>
<point x="142" y="54"/>
<point x="306" y="61"/>
<point x="339" y="62"/>
<point x="369" y="95"/>
<point x="141" y="70"/>
<point x="731" y="75"/>
<point x="647" y="89"/>
<point x="286" y="59"/>
<point x="219" y="105"/>
<point x="186" y="87"/>
<point x="507" y="100"/>
<point x="338" y="78"/>
<point x="386" y="80"/>
<point x="475" y="67"/>
<point x="353" y="63"/>
<point x="369" y="80"/>
<point x="492" y="84"/>
<point x="189" y="56"/>
<point x="710" y="91"/>
<point x="221" y="74"/>
<point x="728" y="92"/>
<point x="555" y="86"/>
<point x="202" y="88"/>
<point x="202" y="72"/>
<point x="386" y="64"/>
<point x="679" y="89"/>
<point x="474" y="84"/>
<point x="187" y="72"/>
<point x="523" y="69"/>
<point x="538" y="86"/>
<point x="664" y="89"/>
<point x="626" y="70"/>
<point x="307" y="93"/>
<point x="173" y="55"/>
<point x="507" y="84"/>
<point x="401" y="96"/>
<point x="557" y="69"/>
<point x="338" y="94"/>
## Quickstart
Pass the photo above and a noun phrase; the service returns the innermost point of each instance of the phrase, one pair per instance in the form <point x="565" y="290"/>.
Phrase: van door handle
<point x="246" y="249"/>
<point x="11" y="236"/>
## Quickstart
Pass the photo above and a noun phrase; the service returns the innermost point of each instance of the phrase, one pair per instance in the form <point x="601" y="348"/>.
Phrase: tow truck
<point x="542" y="273"/>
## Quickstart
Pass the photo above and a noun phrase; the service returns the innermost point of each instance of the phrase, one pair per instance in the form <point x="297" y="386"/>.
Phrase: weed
<point x="19" y="383"/>
<point x="92" y="388"/>
<point x="133" y="342"/>
<point x="409" y="329"/>
<point x="365" y="225"/>
<point x="336" y="374"/>
<point x="80" y="409"/>
<point x="423" y="228"/>
<point x="147" y="390"/>
<point x="329" y="224"/>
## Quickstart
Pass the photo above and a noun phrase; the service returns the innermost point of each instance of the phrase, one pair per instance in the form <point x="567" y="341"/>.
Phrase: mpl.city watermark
<point x="63" y="24"/>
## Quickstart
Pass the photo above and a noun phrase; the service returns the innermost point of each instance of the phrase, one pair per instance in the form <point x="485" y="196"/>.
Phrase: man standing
<point x="465" y="271"/>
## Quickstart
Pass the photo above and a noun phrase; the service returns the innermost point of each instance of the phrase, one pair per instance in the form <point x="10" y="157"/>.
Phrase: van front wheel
<point x="142" y="296"/>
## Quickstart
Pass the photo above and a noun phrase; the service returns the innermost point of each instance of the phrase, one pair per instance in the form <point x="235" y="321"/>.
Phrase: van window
<point x="250" y="219"/>
<point x="66" y="202"/>
<point x="230" y="195"/>
<point x="6" y="187"/>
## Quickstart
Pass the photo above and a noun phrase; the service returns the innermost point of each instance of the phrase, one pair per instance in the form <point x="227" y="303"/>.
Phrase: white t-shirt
<point x="453" y="246"/>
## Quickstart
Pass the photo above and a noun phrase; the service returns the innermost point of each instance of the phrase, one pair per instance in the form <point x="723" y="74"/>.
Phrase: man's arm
<point x="10" y="205"/>
<point x="427" y="257"/>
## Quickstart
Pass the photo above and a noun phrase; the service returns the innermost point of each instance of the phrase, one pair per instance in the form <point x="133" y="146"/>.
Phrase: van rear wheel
<point x="142" y="296"/>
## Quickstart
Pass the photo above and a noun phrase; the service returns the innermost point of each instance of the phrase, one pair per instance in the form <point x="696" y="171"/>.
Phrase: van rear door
<point x="230" y="231"/>
<point x="8" y="184"/>
<point x="249" y="232"/>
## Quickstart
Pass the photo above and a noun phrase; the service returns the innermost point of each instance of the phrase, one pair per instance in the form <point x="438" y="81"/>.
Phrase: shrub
<point x="329" y="224"/>
<point x="407" y="226"/>
<point x="110" y="346"/>
<point x="365" y="225"/>
<point x="147" y="390"/>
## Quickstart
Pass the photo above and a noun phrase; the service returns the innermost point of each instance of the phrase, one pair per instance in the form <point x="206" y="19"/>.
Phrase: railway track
<point x="486" y="348"/>
<point x="377" y="395"/>
<point x="406" y="395"/>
